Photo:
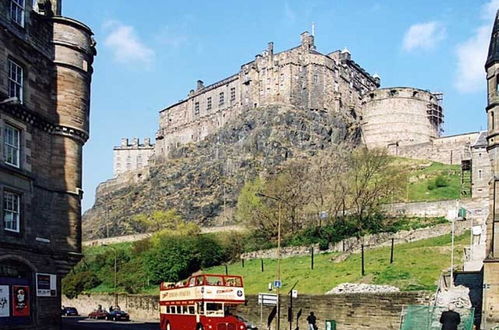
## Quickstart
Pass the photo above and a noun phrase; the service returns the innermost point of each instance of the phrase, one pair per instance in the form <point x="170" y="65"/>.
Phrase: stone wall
<point x="447" y="150"/>
<point x="477" y="209"/>
<point x="350" y="311"/>
<point x="353" y="244"/>
<point x="131" y="156"/>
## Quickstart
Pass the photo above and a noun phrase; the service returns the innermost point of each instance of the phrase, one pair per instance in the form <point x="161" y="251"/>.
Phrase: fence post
<point x="261" y="263"/>
<point x="312" y="257"/>
<point x="362" y="250"/>
<point x="391" y="252"/>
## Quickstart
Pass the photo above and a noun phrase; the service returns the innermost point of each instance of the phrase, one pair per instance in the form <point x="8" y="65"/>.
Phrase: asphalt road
<point x="78" y="322"/>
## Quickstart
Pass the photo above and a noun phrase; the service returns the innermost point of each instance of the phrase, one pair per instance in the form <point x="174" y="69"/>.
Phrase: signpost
<point x="266" y="299"/>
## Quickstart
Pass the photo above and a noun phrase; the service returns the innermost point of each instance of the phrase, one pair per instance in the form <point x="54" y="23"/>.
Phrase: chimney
<point x="124" y="142"/>
<point x="270" y="48"/>
<point x="199" y="85"/>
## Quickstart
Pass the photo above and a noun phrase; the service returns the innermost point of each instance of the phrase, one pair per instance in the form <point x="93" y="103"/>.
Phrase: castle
<point x="46" y="69"/>
<point x="405" y="120"/>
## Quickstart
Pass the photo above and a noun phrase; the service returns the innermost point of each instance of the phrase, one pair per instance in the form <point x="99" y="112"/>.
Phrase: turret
<point x="74" y="50"/>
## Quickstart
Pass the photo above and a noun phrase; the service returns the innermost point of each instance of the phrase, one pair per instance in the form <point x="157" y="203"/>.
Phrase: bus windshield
<point x="214" y="309"/>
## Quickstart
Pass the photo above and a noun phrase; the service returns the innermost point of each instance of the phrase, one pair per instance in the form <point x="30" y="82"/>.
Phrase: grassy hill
<point x="417" y="266"/>
<point x="430" y="181"/>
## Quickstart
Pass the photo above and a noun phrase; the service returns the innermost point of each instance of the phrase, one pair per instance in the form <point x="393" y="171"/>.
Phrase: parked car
<point x="248" y="324"/>
<point x="118" y="315"/>
<point x="69" y="311"/>
<point x="96" y="314"/>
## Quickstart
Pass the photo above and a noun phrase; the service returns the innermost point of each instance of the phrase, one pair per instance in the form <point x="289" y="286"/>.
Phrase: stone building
<point x="45" y="69"/>
<point x="132" y="156"/>
<point x="490" y="309"/>
<point x="480" y="171"/>
<point x="300" y="76"/>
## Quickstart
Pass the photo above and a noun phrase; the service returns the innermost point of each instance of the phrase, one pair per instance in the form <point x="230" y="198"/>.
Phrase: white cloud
<point x="126" y="46"/>
<point x="423" y="36"/>
<point x="472" y="53"/>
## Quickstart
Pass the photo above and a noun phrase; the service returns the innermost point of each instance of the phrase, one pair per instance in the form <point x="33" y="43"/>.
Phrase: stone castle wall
<point x="300" y="76"/>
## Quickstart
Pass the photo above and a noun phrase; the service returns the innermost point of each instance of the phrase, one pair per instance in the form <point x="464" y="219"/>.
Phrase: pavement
<point x="80" y="322"/>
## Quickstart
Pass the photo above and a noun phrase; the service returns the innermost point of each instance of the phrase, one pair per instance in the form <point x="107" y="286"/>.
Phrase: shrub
<point x="441" y="181"/>
<point x="75" y="283"/>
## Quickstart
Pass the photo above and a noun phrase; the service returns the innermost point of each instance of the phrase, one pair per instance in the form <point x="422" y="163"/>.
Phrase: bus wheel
<point x="199" y="327"/>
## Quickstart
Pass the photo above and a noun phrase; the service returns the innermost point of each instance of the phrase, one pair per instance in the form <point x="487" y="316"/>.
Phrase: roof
<point x="493" y="55"/>
<point x="481" y="140"/>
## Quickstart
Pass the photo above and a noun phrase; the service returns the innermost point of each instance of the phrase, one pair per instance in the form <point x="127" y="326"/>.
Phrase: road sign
<point x="267" y="299"/>
<point x="277" y="284"/>
<point x="294" y="293"/>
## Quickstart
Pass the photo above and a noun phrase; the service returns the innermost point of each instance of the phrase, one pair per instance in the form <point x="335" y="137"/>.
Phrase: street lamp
<point x="279" y="201"/>
<point x="115" y="272"/>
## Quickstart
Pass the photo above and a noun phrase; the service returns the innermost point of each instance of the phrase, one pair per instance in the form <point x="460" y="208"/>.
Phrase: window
<point x="139" y="161"/>
<point x="15" y="80"/>
<point x="221" y="99"/>
<point x="233" y="94"/>
<point x="17" y="11"/>
<point x="208" y="106"/>
<point x="11" y="145"/>
<point x="11" y="211"/>
<point x="196" y="108"/>
<point x="479" y="174"/>
<point x="492" y="120"/>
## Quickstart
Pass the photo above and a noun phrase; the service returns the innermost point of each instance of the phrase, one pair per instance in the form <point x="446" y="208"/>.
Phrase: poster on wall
<point x="20" y="300"/>
<point x="46" y="285"/>
<point x="4" y="301"/>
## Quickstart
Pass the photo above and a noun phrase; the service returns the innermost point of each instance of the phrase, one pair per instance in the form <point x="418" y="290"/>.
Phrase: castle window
<point x="17" y="11"/>
<point x="15" y="80"/>
<point x="393" y="92"/>
<point x="479" y="174"/>
<point x="316" y="78"/>
<point x="139" y="161"/>
<point x="208" y="104"/>
<point x="492" y="120"/>
<point x="233" y="94"/>
<point x="11" y="211"/>
<point x="221" y="99"/>
<point x="129" y="163"/>
<point x="414" y="94"/>
<point x="497" y="85"/>
<point x="12" y="145"/>
<point x="196" y="108"/>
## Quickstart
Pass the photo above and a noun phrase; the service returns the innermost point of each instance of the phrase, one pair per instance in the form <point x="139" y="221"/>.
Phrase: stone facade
<point x="132" y="156"/>
<point x="300" y="76"/>
<point x="45" y="72"/>
<point x="491" y="263"/>
<point x="480" y="168"/>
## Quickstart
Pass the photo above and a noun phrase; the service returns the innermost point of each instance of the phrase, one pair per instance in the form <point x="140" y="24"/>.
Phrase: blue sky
<point x="150" y="54"/>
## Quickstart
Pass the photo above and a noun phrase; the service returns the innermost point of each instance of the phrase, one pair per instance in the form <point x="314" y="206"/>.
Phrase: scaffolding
<point x="435" y="113"/>
<point x="428" y="318"/>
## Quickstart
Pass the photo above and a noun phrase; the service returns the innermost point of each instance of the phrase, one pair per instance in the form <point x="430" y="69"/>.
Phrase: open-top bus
<point x="202" y="302"/>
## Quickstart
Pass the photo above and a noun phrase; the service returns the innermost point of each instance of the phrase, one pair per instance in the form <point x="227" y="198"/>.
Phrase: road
<point x="82" y="323"/>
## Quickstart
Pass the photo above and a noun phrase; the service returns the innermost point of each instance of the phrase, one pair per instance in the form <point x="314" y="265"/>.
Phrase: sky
<point x="151" y="53"/>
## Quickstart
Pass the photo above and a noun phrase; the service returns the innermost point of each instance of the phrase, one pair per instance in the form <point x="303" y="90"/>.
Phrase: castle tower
<point x="491" y="263"/>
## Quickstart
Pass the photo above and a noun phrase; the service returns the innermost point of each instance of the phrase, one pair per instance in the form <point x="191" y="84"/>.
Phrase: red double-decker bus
<point x="203" y="302"/>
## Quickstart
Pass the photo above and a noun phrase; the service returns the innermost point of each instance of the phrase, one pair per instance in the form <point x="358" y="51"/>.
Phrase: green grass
<point x="422" y="176"/>
<point x="417" y="266"/>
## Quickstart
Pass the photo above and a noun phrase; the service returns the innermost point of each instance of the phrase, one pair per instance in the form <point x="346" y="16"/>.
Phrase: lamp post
<point x="115" y="272"/>
<point x="279" y="201"/>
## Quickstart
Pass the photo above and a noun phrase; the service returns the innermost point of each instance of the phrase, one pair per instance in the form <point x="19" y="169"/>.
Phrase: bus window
<point x="233" y="281"/>
<point x="192" y="282"/>
<point x="184" y="309"/>
<point x="199" y="280"/>
<point x="214" y="309"/>
<point x="191" y="310"/>
<point x="179" y="309"/>
<point x="214" y="280"/>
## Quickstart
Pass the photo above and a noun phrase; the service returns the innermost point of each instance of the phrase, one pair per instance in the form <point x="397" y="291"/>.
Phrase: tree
<point x="158" y="220"/>
<point x="372" y="181"/>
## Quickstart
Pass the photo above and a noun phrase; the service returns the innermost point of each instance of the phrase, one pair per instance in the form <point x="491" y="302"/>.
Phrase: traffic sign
<point x="267" y="299"/>
<point x="277" y="284"/>
<point x="294" y="293"/>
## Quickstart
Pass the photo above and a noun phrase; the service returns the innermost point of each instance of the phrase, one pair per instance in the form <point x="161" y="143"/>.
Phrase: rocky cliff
<point x="202" y="180"/>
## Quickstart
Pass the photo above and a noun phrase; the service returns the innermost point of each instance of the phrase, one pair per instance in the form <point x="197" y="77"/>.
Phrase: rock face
<point x="345" y="288"/>
<point x="202" y="180"/>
